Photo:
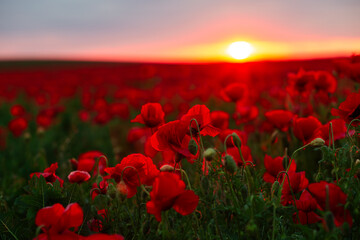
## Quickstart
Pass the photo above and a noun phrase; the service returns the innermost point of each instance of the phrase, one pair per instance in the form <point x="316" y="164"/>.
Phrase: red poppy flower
<point x="100" y="188"/>
<point x="298" y="182"/>
<point x="86" y="162"/>
<point x="304" y="128"/>
<point x="234" y="92"/>
<point x="169" y="192"/>
<point x="172" y="136"/>
<point x="46" y="116"/>
<point x="280" y="119"/>
<point x="84" y="115"/>
<point x="349" y="109"/>
<point x="151" y="115"/>
<point x="17" y="126"/>
<point x="102" y="236"/>
<point x="133" y="168"/>
<point x="17" y="110"/>
<point x="78" y="176"/>
<point x="324" y="82"/>
<point x="120" y="110"/>
<point x="202" y="115"/>
<point x="245" y="114"/>
<point x="49" y="174"/>
<point x="220" y="119"/>
<point x="273" y="166"/>
<point x="336" y="199"/>
<point x="339" y="130"/>
<point x="56" y="220"/>
<point x="301" y="84"/>
<point x="306" y="206"/>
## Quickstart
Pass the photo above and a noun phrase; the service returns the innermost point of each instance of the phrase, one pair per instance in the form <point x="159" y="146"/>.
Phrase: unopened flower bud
<point x="317" y="142"/>
<point x="236" y="140"/>
<point x="210" y="154"/>
<point x="111" y="192"/>
<point x="193" y="147"/>
<point x="166" y="168"/>
<point x="230" y="164"/>
<point x="357" y="162"/>
<point x="122" y="188"/>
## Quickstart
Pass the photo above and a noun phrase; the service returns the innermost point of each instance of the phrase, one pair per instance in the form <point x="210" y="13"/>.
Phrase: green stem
<point x="12" y="234"/>
<point x="74" y="186"/>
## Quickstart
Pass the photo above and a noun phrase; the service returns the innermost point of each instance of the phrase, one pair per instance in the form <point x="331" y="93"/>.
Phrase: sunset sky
<point x="176" y="31"/>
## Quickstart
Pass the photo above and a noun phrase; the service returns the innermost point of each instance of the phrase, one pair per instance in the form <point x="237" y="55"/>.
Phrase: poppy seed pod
<point x="230" y="164"/>
<point x="210" y="154"/>
<point x="193" y="147"/>
<point x="236" y="140"/>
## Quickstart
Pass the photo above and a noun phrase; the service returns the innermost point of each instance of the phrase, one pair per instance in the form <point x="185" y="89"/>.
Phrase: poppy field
<point x="259" y="150"/>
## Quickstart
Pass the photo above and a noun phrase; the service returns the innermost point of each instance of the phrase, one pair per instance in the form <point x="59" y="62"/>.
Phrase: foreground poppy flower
<point x="131" y="169"/>
<point x="336" y="199"/>
<point x="56" y="220"/>
<point x="349" y="109"/>
<point x="49" y="174"/>
<point x="202" y="115"/>
<point x="338" y="127"/>
<point x="151" y="115"/>
<point x="17" y="126"/>
<point x="298" y="182"/>
<point x="169" y="192"/>
<point x="275" y="165"/>
<point x="78" y="176"/>
<point x="172" y="136"/>
<point x="306" y="206"/>
<point x="304" y="128"/>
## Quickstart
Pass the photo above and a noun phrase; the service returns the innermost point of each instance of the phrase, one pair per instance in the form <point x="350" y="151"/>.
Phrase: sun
<point x="240" y="50"/>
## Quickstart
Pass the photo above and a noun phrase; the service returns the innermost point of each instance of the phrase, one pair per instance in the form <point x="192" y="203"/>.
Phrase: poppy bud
<point x="74" y="163"/>
<point x="111" y="192"/>
<point x="166" y="168"/>
<point x="193" y="147"/>
<point x="230" y="164"/>
<point x="210" y="154"/>
<point x="236" y="140"/>
<point x="317" y="142"/>
<point x="122" y="188"/>
<point x="329" y="219"/>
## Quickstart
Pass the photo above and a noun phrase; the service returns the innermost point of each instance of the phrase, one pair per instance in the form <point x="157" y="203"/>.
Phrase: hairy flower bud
<point x="236" y="140"/>
<point x="230" y="164"/>
<point x="166" y="168"/>
<point x="210" y="154"/>
<point x="193" y="147"/>
<point x="317" y="142"/>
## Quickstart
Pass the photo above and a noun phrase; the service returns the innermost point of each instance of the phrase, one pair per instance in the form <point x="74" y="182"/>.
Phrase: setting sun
<point x="240" y="50"/>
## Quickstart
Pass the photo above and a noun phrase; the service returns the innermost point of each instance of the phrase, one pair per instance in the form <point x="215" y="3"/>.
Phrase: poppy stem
<point x="7" y="228"/>
<point x="72" y="192"/>
<point x="186" y="176"/>
<point x="348" y="128"/>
